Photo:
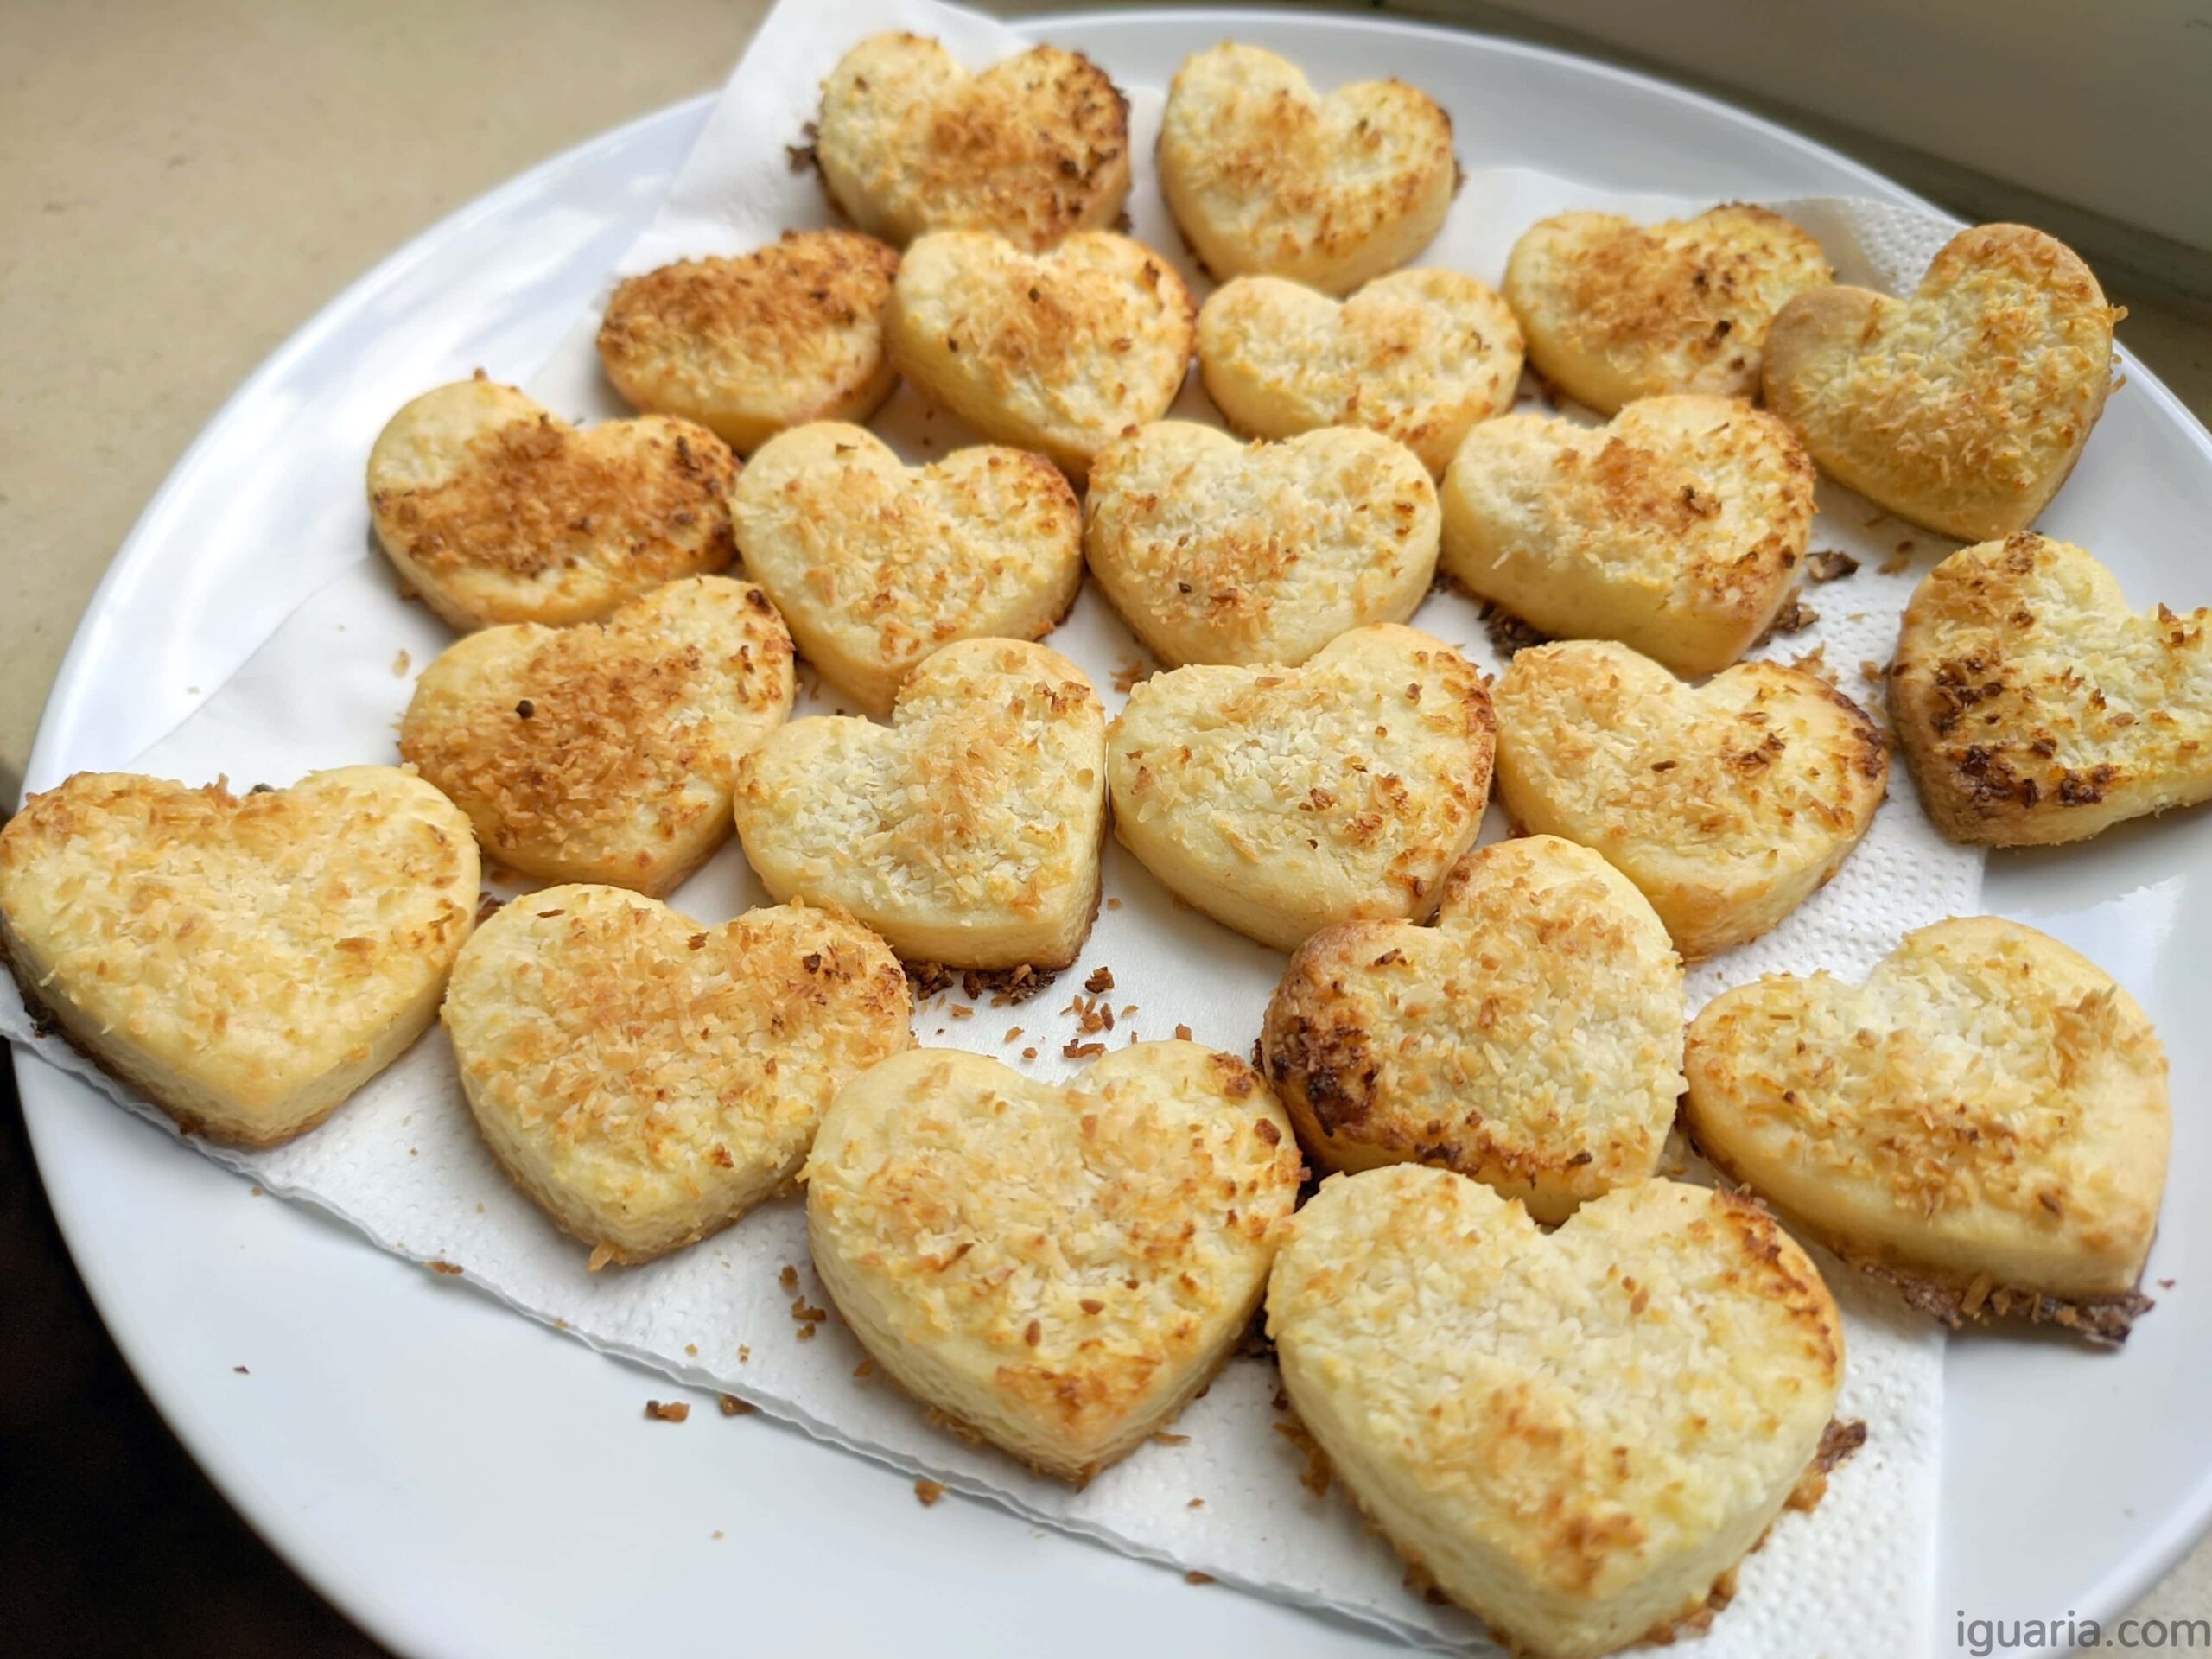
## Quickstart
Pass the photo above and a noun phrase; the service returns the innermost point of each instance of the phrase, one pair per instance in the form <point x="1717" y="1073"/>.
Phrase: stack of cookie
<point x="1573" y="1391"/>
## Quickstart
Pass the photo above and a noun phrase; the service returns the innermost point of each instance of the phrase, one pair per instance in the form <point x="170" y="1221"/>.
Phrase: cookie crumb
<point x="929" y="1491"/>
<point x="667" y="1411"/>
<point x="734" y="1406"/>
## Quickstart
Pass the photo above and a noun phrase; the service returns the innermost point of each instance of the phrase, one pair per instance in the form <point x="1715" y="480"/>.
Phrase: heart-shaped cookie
<point x="1267" y="177"/>
<point x="1985" y="1120"/>
<point x="1615" y="310"/>
<point x="1058" y="351"/>
<point x="648" y="1080"/>
<point x="1218" y="551"/>
<point x="1676" y="528"/>
<point x="2035" y="707"/>
<point x="1729" y="804"/>
<point x="1057" y="1268"/>
<point x="1280" y="800"/>
<point x="788" y="333"/>
<point x="1575" y="1435"/>
<point x="874" y="566"/>
<point x="245" y="962"/>
<point x="495" y="511"/>
<point x="1033" y="147"/>
<point x="1965" y="407"/>
<point x="605" y="754"/>
<point x="1420" y="356"/>
<point x="967" y="832"/>
<point x="1532" y="1039"/>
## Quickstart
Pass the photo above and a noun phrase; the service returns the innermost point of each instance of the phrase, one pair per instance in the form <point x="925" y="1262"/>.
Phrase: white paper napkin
<point x="402" y="1162"/>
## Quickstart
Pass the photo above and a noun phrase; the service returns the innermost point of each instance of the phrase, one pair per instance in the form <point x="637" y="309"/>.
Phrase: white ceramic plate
<point x="461" y="1481"/>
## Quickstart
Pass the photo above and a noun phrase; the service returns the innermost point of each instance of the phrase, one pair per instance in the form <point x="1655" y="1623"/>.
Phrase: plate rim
<point x="355" y="1597"/>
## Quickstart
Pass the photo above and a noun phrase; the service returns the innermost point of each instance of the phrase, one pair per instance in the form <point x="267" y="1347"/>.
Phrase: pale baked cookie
<point x="875" y="565"/>
<point x="607" y="753"/>
<point x="1615" y="310"/>
<point x="495" y="511"/>
<point x="1058" y="351"/>
<point x="1532" y="1039"/>
<point x="1280" y="800"/>
<point x="1965" y="407"/>
<point x="967" y="832"/>
<point x="1033" y="147"/>
<point x="648" y="1080"/>
<point x="1266" y="176"/>
<point x="1420" y="356"/>
<point x="245" y="962"/>
<point x="1983" y="1122"/>
<point x="1729" y="804"/>
<point x="2035" y="707"/>
<point x="1058" y="1269"/>
<point x="788" y="333"/>
<point x="1676" y="528"/>
<point x="1218" y="551"/>
<point x="1576" y="1435"/>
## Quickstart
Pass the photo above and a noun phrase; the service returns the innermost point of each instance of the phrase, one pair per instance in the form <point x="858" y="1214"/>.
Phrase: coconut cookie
<point x="1576" y="1435"/>
<point x="245" y="962"/>
<point x="605" y="754"/>
<point x="875" y="565"/>
<point x="2035" y="706"/>
<point x="1279" y="801"/>
<point x="1035" y="147"/>
<point x="967" y="832"/>
<point x="1058" y="351"/>
<point x="1615" y="311"/>
<point x="788" y="333"/>
<point x="495" y="511"/>
<point x="1677" y="528"/>
<point x="1984" y="1121"/>
<point x="1265" y="176"/>
<point x="1420" y="356"/>
<point x="1965" y="407"/>
<point x="1217" y="551"/>
<point x="648" y="1080"/>
<point x="1058" y="1269"/>
<point x="1729" y="804"/>
<point x="1532" y="1039"/>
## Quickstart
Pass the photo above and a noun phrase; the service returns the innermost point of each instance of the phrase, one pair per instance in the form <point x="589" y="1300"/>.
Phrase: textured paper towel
<point x="401" y="1163"/>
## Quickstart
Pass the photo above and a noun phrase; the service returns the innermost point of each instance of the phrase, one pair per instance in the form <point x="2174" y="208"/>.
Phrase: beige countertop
<point x="181" y="186"/>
